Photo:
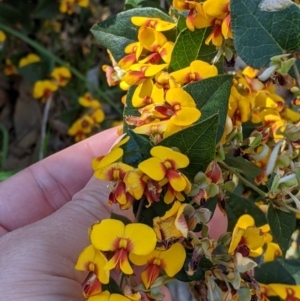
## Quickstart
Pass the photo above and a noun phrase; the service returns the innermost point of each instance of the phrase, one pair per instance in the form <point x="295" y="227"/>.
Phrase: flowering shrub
<point x="200" y="136"/>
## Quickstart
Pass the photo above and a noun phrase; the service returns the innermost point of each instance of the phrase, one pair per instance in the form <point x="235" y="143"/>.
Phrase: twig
<point x="44" y="126"/>
<point x="49" y="54"/>
<point x="246" y="182"/>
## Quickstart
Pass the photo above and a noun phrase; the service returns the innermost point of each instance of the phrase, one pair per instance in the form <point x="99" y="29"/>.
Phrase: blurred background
<point x="44" y="107"/>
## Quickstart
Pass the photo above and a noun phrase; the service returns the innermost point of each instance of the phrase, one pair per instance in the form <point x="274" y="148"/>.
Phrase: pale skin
<point x="45" y="212"/>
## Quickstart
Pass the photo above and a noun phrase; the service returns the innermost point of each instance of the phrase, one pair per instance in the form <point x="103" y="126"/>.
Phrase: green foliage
<point x="130" y="4"/>
<point x="261" y="34"/>
<point x="282" y="226"/>
<point x="46" y="9"/>
<point x="243" y="166"/>
<point x="116" y="32"/>
<point x="211" y="96"/>
<point x="285" y="271"/>
<point x="198" y="142"/>
<point x="136" y="149"/>
<point x="190" y="46"/>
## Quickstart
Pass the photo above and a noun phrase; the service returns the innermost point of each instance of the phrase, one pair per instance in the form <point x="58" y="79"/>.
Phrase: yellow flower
<point x="147" y="93"/>
<point x="29" y="59"/>
<point x="157" y="43"/>
<point x="139" y="184"/>
<point x="61" y="75"/>
<point x="2" y="36"/>
<point x="171" y="261"/>
<point x="164" y="165"/>
<point x="90" y="259"/>
<point x="172" y="225"/>
<point x="9" y="68"/>
<point x="216" y="14"/>
<point x="112" y="235"/>
<point x="155" y="23"/>
<point x="197" y="70"/>
<point x="133" y="52"/>
<point x="286" y="292"/>
<point x="93" y="261"/>
<point x="81" y="127"/>
<point x="88" y="101"/>
<point x="138" y="73"/>
<point x="272" y="251"/>
<point x="43" y="89"/>
<point x="119" y="194"/>
<point x="114" y="155"/>
<point x="106" y="296"/>
<point x="98" y="115"/>
<point x="246" y="239"/>
<point x="68" y="6"/>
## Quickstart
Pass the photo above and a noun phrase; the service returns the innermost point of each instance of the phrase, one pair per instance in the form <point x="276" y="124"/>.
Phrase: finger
<point x="45" y="186"/>
<point x="218" y="224"/>
<point x="52" y="245"/>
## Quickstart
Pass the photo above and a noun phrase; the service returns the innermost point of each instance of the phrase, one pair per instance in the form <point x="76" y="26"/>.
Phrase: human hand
<point x="42" y="231"/>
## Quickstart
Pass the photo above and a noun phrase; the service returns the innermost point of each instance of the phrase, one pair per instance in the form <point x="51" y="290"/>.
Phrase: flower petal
<point x="142" y="238"/>
<point x="104" y="234"/>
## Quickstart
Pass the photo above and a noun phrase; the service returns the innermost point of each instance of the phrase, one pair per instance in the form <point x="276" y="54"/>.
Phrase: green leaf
<point x="259" y="34"/>
<point x="198" y="142"/>
<point x="136" y="149"/>
<point x="211" y="96"/>
<point x="112" y="287"/>
<point x="46" y="9"/>
<point x="148" y="214"/>
<point x="274" y="272"/>
<point x="293" y="267"/>
<point x="244" y="166"/>
<point x="9" y="15"/>
<point x="190" y="46"/>
<point x="236" y="206"/>
<point x="130" y="4"/>
<point x="125" y="220"/>
<point x="282" y="226"/>
<point x="129" y="109"/>
<point x="116" y="32"/>
<point x="35" y="71"/>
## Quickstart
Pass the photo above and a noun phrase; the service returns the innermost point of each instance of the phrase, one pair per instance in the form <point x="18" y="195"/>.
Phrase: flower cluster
<point x="185" y="151"/>
<point x="83" y="127"/>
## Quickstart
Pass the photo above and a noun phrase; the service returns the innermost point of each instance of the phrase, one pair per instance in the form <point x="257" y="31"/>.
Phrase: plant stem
<point x="297" y="74"/>
<point x="44" y="127"/>
<point x="138" y="214"/>
<point x="58" y="60"/>
<point x="242" y="179"/>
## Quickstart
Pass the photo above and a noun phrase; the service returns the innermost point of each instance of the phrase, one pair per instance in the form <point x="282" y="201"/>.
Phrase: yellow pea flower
<point x="92" y="260"/>
<point x="197" y="70"/>
<point x="98" y="115"/>
<point x="112" y="235"/>
<point x="119" y="194"/>
<point x="88" y="101"/>
<point x="138" y="73"/>
<point x="246" y="239"/>
<point x="286" y="292"/>
<point x="81" y="127"/>
<point x="43" y="89"/>
<point x="67" y="6"/>
<point x="157" y="43"/>
<point x="2" y="36"/>
<point x="112" y="156"/>
<point x="61" y="75"/>
<point x="133" y="52"/>
<point x="139" y="184"/>
<point x="9" y="68"/>
<point x="107" y="296"/>
<point x="29" y="59"/>
<point x="171" y="261"/>
<point x="164" y="165"/>
<point x="155" y="23"/>
<point x="147" y="93"/>
<point x="172" y="225"/>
